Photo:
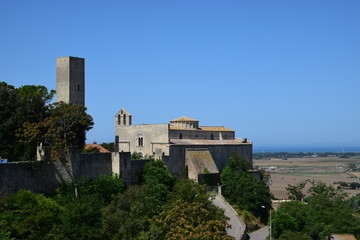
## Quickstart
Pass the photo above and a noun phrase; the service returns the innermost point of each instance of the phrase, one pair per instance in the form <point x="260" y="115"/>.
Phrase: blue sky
<point x="281" y="73"/>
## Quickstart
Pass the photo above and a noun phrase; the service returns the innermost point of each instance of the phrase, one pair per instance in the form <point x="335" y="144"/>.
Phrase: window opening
<point x="140" y="141"/>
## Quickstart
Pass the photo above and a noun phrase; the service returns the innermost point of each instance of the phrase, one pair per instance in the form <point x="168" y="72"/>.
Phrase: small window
<point x="124" y="119"/>
<point x="212" y="137"/>
<point x="140" y="141"/>
<point x="119" y="119"/>
<point x="180" y="136"/>
<point x="78" y="87"/>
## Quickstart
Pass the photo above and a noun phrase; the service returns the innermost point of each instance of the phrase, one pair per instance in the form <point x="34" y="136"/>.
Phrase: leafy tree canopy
<point x="127" y="215"/>
<point x="109" y="146"/>
<point x="137" y="156"/>
<point x="18" y="106"/>
<point x="64" y="128"/>
<point x="323" y="212"/>
<point x="104" y="187"/>
<point x="156" y="172"/>
<point x="188" y="220"/>
<point x="243" y="189"/>
<point x="26" y="215"/>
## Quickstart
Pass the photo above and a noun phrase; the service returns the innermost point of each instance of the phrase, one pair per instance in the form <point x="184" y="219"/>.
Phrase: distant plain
<point x="329" y="169"/>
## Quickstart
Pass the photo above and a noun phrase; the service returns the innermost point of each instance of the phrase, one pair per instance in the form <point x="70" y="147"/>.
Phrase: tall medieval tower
<point x="70" y="80"/>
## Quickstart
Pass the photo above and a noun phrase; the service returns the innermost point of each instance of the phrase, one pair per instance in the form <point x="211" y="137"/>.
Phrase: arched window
<point x="140" y="141"/>
<point x="119" y="119"/>
<point x="180" y="136"/>
<point x="124" y="119"/>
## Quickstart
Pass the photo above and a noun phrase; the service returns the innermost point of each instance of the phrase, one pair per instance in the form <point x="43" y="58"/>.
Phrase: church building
<point x="182" y="144"/>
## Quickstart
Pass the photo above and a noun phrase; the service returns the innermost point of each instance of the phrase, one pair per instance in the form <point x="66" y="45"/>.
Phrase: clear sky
<point x="279" y="72"/>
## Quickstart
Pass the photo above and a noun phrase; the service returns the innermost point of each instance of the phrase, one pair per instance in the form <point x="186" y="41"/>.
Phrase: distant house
<point x="342" y="237"/>
<point x="94" y="145"/>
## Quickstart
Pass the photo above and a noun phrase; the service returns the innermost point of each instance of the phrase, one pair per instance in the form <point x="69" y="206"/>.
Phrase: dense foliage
<point x="27" y="104"/>
<point x="325" y="211"/>
<point x="26" y="215"/>
<point x="109" y="146"/>
<point x="243" y="189"/>
<point x="64" y="128"/>
<point x="102" y="208"/>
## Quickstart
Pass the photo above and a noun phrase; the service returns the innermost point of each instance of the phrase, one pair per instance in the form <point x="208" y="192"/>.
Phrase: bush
<point x="26" y="215"/>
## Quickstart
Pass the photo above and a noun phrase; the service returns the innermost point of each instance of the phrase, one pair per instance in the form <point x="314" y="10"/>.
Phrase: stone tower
<point x="70" y="80"/>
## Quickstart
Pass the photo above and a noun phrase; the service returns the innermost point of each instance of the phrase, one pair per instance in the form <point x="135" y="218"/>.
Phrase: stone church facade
<point x="182" y="144"/>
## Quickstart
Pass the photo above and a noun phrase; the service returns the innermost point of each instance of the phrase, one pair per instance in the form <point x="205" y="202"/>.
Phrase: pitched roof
<point x="214" y="128"/>
<point x="235" y="141"/>
<point x="123" y="110"/>
<point x="184" y="119"/>
<point x="101" y="148"/>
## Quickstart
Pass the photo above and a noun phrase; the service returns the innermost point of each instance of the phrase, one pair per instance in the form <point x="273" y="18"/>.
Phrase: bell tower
<point x="70" y="80"/>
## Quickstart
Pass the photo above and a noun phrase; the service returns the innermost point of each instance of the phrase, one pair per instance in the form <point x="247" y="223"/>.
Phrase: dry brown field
<point x="295" y="170"/>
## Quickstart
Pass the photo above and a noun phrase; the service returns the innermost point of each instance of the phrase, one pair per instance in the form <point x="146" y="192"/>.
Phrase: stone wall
<point x="219" y="153"/>
<point x="37" y="176"/>
<point x="155" y="139"/>
<point x="45" y="176"/>
<point x="200" y="134"/>
<point x="95" y="164"/>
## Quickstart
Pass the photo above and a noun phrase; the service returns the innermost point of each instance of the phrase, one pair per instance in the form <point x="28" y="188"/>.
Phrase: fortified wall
<point x="45" y="175"/>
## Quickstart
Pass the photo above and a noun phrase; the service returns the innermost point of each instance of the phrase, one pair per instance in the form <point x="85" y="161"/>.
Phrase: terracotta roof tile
<point x="184" y="119"/>
<point x="101" y="148"/>
<point x="214" y="128"/>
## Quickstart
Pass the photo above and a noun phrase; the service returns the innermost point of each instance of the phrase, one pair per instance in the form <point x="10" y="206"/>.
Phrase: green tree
<point x="354" y="201"/>
<point x="127" y="215"/>
<point x="64" y="128"/>
<point x="188" y="220"/>
<point x="291" y="216"/>
<point x="323" y="212"/>
<point x="17" y="106"/>
<point x="109" y="146"/>
<point x="80" y="219"/>
<point x="158" y="184"/>
<point x="244" y="190"/>
<point x="137" y="156"/>
<point x="9" y="119"/>
<point x="26" y="215"/>
<point x="290" y="235"/>
<point x="189" y="191"/>
<point x="237" y="163"/>
<point x="295" y="192"/>
<point x="156" y="172"/>
<point x="103" y="187"/>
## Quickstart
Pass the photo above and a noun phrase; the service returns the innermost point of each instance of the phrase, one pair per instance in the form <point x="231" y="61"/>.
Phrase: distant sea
<point x="296" y="149"/>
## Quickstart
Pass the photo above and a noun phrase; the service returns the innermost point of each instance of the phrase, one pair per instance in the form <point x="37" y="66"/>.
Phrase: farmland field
<point x="294" y="170"/>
